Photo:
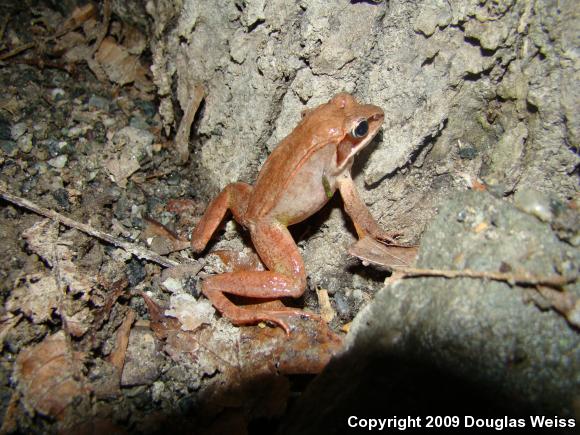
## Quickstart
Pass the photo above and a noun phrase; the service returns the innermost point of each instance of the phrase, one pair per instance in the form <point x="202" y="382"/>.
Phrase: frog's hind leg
<point x="234" y="197"/>
<point x="286" y="278"/>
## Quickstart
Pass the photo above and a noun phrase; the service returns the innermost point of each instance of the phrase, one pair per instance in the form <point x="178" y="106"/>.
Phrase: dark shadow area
<point x="374" y="384"/>
<point x="410" y="391"/>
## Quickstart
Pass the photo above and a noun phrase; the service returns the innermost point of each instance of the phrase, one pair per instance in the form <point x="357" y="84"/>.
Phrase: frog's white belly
<point x="307" y="191"/>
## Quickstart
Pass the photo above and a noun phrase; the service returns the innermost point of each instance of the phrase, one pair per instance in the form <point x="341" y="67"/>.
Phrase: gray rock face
<point x="471" y="91"/>
<point x="489" y="338"/>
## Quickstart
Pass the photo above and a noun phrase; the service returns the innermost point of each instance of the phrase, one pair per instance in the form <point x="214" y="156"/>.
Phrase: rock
<point x="18" y="130"/>
<point x="433" y="15"/>
<point x="142" y="361"/>
<point x="25" y="143"/>
<point x="99" y="103"/>
<point x="58" y="162"/>
<point x="8" y="147"/>
<point x="535" y="203"/>
<point x="490" y="35"/>
<point x="438" y="345"/>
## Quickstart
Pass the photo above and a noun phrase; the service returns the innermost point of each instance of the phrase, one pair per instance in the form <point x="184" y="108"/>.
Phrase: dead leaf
<point x="37" y="297"/>
<point x="120" y="66"/>
<point x="117" y="356"/>
<point x="66" y="291"/>
<point x="79" y="323"/>
<point x="71" y="45"/>
<point x="387" y="256"/>
<point x="307" y="350"/>
<point x="121" y="167"/>
<point x="41" y="238"/>
<point x="10" y="420"/>
<point x="191" y="313"/>
<point x="162" y="240"/>
<point x="49" y="376"/>
<point x="241" y="367"/>
<point x="114" y="290"/>
<point x="79" y="15"/>
<point x="133" y="40"/>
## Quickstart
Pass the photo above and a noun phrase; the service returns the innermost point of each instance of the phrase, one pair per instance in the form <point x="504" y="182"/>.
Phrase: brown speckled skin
<point x="297" y="179"/>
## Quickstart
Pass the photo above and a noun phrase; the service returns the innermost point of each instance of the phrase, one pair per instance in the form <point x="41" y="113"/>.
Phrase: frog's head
<point x="360" y="124"/>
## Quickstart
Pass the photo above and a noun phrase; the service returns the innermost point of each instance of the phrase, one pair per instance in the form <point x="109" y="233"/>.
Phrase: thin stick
<point x="117" y="355"/>
<point x="555" y="281"/>
<point x="133" y="249"/>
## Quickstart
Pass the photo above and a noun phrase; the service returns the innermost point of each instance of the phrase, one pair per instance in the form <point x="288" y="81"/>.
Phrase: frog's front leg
<point x="286" y="277"/>
<point x="364" y="222"/>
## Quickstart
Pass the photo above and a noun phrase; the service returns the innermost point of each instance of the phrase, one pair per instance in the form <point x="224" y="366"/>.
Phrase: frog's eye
<point x="361" y="129"/>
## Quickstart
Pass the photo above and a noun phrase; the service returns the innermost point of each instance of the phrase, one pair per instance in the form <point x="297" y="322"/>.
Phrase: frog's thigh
<point x="279" y="252"/>
<point x="286" y="276"/>
<point x="234" y="197"/>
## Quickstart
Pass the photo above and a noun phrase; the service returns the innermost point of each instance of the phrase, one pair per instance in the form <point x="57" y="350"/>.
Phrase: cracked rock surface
<point x="471" y="91"/>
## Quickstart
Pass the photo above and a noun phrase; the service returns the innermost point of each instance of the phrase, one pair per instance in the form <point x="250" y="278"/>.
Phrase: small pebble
<point x="18" y="130"/>
<point x="57" y="94"/>
<point x="467" y="153"/>
<point x="58" y="162"/>
<point x="99" y="103"/>
<point x="534" y="203"/>
<point x="62" y="198"/>
<point x="25" y="143"/>
<point x="9" y="147"/>
<point x="138" y="122"/>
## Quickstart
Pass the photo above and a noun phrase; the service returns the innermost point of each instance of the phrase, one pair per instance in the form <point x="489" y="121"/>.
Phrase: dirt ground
<point x="86" y="341"/>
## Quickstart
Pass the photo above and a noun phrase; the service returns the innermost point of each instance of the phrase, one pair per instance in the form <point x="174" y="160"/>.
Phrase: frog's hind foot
<point x="272" y="311"/>
<point x="280" y="315"/>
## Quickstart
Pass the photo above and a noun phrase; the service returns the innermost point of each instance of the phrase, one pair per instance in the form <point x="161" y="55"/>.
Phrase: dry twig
<point x="554" y="281"/>
<point x="117" y="356"/>
<point x="400" y="260"/>
<point x="133" y="249"/>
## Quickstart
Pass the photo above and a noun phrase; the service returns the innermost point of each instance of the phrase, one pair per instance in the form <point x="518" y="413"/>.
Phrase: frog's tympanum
<point x="297" y="179"/>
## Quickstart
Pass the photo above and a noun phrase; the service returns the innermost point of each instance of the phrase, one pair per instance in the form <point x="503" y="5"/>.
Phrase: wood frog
<point x="297" y="179"/>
